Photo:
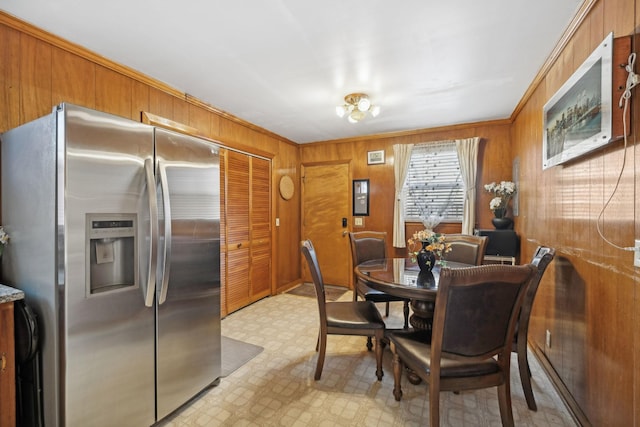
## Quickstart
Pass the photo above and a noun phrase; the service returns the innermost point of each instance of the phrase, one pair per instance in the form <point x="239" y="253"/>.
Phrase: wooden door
<point x="247" y="222"/>
<point x="260" y="228"/>
<point x="237" y="230"/>
<point x="325" y="202"/>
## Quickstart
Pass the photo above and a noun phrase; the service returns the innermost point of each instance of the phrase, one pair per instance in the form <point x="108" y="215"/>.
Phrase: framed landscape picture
<point x="375" y="157"/>
<point x="577" y="119"/>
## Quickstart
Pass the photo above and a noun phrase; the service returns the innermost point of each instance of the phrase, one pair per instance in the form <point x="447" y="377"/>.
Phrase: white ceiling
<point x="285" y="64"/>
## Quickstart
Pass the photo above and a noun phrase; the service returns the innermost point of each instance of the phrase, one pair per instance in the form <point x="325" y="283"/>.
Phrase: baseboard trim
<point x="566" y="396"/>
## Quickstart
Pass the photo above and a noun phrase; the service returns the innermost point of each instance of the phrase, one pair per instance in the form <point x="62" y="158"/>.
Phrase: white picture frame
<point x="375" y="157"/>
<point x="577" y="118"/>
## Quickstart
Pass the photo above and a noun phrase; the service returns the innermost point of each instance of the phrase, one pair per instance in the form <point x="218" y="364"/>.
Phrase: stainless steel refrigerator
<point x="115" y="239"/>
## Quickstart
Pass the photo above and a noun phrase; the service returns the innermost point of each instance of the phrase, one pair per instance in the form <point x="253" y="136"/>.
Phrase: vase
<point x="426" y="259"/>
<point x="426" y="280"/>
<point x="500" y="212"/>
<point x="502" y="223"/>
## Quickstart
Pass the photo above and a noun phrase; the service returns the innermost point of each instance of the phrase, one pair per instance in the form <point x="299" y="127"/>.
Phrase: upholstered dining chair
<point x="342" y="317"/>
<point x="467" y="248"/>
<point x="366" y="246"/>
<point x="469" y="346"/>
<point x="541" y="260"/>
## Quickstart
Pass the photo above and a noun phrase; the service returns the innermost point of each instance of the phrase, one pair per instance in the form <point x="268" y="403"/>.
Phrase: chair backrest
<point x="541" y="260"/>
<point x="316" y="275"/>
<point x="467" y="248"/>
<point x="367" y="245"/>
<point x="476" y="310"/>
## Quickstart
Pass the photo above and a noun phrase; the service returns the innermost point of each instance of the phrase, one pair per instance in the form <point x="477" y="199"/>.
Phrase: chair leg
<point x="397" y="375"/>
<point x="525" y="378"/>
<point x="379" y="336"/>
<point x="406" y="314"/>
<point x="386" y="309"/>
<point x="322" y="341"/>
<point x="504" y="400"/>
<point x="369" y="344"/>
<point x="434" y="401"/>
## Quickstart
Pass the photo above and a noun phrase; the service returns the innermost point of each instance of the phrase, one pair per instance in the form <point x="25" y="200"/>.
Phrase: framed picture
<point x="360" y="197"/>
<point x="577" y="119"/>
<point x="375" y="157"/>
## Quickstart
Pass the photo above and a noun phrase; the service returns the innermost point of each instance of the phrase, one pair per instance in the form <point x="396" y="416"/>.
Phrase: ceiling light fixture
<point x="357" y="105"/>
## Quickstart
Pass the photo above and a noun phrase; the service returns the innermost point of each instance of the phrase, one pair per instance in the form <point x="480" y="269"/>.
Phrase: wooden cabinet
<point x="7" y="367"/>
<point x="247" y="230"/>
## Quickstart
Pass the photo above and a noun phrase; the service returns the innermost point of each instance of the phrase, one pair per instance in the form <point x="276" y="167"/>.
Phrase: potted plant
<point x="502" y="192"/>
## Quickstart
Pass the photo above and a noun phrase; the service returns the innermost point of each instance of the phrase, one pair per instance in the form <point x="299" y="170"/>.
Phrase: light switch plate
<point x="358" y="222"/>
<point x="636" y="254"/>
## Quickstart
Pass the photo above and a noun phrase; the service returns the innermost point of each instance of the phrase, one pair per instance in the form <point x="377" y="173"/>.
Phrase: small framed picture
<point x="375" y="157"/>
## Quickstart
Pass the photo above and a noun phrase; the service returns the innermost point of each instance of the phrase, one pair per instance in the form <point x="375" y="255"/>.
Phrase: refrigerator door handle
<point x="166" y="250"/>
<point x="150" y="289"/>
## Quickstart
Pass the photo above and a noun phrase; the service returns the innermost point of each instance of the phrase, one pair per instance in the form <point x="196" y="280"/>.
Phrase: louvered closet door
<point x="223" y="234"/>
<point x="260" y="228"/>
<point x="247" y="223"/>
<point x="237" y="227"/>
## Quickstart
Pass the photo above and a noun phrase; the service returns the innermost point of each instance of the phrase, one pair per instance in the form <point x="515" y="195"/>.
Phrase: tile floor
<point x="276" y="388"/>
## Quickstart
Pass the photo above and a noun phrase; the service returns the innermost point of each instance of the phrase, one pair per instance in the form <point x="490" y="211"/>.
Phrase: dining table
<point x="403" y="278"/>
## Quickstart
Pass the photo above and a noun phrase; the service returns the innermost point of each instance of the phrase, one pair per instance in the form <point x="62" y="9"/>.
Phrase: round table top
<point x="403" y="278"/>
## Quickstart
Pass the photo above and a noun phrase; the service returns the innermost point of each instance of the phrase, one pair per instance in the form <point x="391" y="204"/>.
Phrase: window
<point x="434" y="183"/>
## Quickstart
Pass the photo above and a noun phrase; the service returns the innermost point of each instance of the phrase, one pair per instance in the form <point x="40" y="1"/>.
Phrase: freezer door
<point x="188" y="282"/>
<point x="108" y="359"/>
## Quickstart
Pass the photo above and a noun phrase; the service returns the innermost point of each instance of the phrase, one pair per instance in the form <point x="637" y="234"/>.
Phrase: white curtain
<point x="401" y="156"/>
<point x="468" y="158"/>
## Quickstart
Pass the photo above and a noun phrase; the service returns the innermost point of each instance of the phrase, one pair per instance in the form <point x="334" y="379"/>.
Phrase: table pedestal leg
<point x="421" y="319"/>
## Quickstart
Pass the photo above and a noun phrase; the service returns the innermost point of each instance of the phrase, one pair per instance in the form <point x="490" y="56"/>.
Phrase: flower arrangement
<point x="431" y="241"/>
<point x="4" y="239"/>
<point x="503" y="192"/>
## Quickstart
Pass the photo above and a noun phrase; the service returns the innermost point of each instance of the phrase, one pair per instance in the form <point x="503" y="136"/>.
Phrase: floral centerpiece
<point x="503" y="192"/>
<point x="430" y="243"/>
<point x="4" y="239"/>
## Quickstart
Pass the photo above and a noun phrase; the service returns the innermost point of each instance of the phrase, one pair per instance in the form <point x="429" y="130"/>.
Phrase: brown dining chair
<point x="466" y="248"/>
<point x="469" y="346"/>
<point x="366" y="246"/>
<point x="541" y="259"/>
<point x="342" y="317"/>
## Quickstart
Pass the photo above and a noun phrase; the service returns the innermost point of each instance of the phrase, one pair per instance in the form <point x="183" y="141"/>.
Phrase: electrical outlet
<point x="636" y="254"/>
<point x="548" y="339"/>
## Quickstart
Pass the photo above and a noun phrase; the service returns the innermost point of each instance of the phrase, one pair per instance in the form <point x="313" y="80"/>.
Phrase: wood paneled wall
<point x="589" y="298"/>
<point x="39" y="70"/>
<point x="494" y="159"/>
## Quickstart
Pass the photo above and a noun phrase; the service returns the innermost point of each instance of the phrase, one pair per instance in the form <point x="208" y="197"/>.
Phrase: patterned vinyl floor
<point x="276" y="388"/>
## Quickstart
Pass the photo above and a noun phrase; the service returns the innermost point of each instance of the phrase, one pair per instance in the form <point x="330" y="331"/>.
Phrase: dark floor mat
<point x="331" y="293"/>
<point x="236" y="353"/>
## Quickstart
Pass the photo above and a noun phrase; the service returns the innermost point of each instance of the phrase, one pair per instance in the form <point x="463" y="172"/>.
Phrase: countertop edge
<point x="8" y="294"/>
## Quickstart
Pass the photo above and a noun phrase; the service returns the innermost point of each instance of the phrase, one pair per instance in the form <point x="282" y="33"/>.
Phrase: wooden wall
<point x="494" y="159"/>
<point x="39" y="70"/>
<point x="589" y="299"/>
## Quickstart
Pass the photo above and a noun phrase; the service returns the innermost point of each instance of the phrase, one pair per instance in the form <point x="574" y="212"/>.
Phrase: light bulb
<point x="364" y="104"/>
<point x="375" y="110"/>
<point x="340" y="110"/>
<point x="356" y="116"/>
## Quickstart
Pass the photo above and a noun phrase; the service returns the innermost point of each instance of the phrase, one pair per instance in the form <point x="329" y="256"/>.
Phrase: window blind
<point x="434" y="183"/>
